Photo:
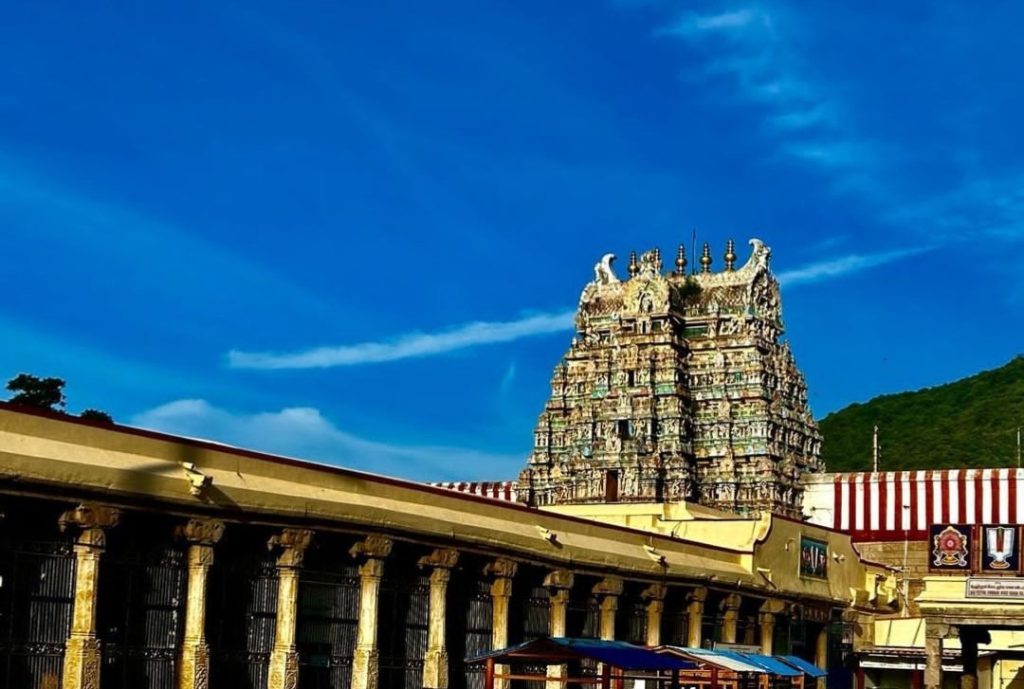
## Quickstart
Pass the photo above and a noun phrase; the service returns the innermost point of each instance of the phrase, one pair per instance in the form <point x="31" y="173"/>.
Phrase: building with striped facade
<point x="901" y="505"/>
<point x="964" y="620"/>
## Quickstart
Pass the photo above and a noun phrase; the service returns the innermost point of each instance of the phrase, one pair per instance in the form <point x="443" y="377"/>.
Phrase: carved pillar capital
<point x="934" y="629"/>
<point x="374" y="546"/>
<point x="292" y="545"/>
<point x="609" y="586"/>
<point x="502" y="568"/>
<point x="200" y="531"/>
<point x="559" y="579"/>
<point x="654" y="592"/>
<point x="731" y="603"/>
<point x="442" y="558"/>
<point x="698" y="595"/>
<point x="90" y="520"/>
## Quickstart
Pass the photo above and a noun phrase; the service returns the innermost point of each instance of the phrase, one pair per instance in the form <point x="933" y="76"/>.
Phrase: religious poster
<point x="1000" y="549"/>
<point x="813" y="558"/>
<point x="952" y="547"/>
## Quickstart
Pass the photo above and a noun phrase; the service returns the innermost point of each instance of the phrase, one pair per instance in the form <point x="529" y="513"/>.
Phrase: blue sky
<point x="352" y="232"/>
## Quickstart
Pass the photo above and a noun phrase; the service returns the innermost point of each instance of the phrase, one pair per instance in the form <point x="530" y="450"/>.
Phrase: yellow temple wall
<point x="771" y="547"/>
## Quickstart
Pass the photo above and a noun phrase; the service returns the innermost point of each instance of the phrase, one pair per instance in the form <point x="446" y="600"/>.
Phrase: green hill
<point x="968" y="423"/>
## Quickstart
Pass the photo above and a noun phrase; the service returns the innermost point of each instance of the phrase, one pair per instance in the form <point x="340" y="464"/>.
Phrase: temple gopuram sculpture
<point x="677" y="387"/>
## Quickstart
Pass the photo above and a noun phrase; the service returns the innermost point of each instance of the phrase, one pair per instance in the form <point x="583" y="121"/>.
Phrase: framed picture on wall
<point x="813" y="558"/>
<point x="950" y="547"/>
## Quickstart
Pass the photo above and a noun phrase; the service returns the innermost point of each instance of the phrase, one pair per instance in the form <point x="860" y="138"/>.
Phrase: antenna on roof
<point x="693" y="249"/>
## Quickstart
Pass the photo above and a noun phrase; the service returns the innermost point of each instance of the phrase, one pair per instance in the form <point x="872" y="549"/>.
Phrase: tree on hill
<point x="968" y="423"/>
<point x="48" y="394"/>
<point x="33" y="391"/>
<point x="96" y="415"/>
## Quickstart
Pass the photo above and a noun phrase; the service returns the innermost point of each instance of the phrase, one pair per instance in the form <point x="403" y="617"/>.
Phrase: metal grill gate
<point x="328" y="617"/>
<point x="402" y="631"/>
<point x="631" y="621"/>
<point x="675" y="621"/>
<point x="583" y="620"/>
<point x="470" y="610"/>
<point x="530" y="618"/>
<point x="141" y="616"/>
<point x="37" y="591"/>
<point x="241" y="619"/>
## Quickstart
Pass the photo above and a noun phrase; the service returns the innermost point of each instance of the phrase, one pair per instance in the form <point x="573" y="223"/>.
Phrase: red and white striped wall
<point x="496" y="490"/>
<point x="895" y="505"/>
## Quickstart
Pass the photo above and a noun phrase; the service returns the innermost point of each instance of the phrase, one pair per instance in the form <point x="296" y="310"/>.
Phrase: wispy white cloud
<point x="758" y="62"/>
<point x="408" y="346"/>
<point x="844" y="265"/>
<point x="723" y="22"/>
<point x="508" y="379"/>
<point x="754" y="53"/>
<point x="991" y="206"/>
<point x="303" y="432"/>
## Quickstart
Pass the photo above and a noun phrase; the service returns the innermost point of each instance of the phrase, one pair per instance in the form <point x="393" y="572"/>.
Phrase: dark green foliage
<point x="968" y="423"/>
<point x="689" y="289"/>
<point x="33" y="391"/>
<point x="96" y="415"/>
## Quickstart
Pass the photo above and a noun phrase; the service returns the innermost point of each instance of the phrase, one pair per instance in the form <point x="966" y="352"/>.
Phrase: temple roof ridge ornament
<point x="756" y="264"/>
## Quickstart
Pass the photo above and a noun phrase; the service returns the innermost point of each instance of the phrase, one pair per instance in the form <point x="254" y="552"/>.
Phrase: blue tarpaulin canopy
<point x="715" y="658"/>
<point x="802" y="665"/>
<point x="557" y="650"/>
<point x="775" y="667"/>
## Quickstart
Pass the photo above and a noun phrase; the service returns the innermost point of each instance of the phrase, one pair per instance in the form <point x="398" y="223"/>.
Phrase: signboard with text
<point x="995" y="587"/>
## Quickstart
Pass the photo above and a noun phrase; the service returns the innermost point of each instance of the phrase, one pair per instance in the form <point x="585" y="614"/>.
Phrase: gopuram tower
<point x="677" y="387"/>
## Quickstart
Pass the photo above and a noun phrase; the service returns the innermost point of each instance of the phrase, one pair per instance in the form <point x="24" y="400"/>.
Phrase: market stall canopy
<point x="800" y="664"/>
<point x="768" y="663"/>
<point x="558" y="650"/>
<point x="716" y="658"/>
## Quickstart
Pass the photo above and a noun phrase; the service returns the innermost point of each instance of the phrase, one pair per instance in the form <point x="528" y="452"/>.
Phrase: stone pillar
<point x="194" y="664"/>
<point x="435" y="662"/>
<point x="82" y="653"/>
<point x="559" y="584"/>
<point x="821" y="654"/>
<point x="501" y="592"/>
<point x="655" y="597"/>
<point x="608" y="589"/>
<point x="284" y="659"/>
<point x="769" y="609"/>
<point x="695" y="615"/>
<point x="730" y="607"/>
<point x="934" y="633"/>
<point x="365" y="663"/>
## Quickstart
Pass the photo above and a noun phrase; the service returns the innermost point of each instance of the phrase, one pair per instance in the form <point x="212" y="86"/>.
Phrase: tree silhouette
<point x="33" y="391"/>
